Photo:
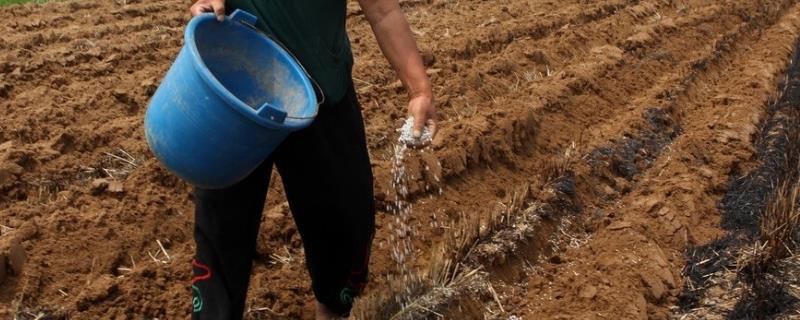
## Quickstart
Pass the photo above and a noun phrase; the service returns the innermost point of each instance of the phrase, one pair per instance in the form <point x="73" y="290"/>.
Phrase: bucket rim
<point x="225" y="94"/>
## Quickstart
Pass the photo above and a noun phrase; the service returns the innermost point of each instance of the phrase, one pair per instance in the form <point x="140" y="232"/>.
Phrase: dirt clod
<point x="619" y="225"/>
<point x="588" y="292"/>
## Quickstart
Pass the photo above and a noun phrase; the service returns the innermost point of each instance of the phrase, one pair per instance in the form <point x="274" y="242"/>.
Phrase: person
<point x="325" y="168"/>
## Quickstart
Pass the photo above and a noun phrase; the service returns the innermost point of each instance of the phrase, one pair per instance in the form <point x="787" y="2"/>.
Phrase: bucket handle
<point x="249" y="20"/>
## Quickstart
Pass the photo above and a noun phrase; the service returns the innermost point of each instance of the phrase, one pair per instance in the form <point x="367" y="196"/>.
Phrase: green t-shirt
<point x="314" y="31"/>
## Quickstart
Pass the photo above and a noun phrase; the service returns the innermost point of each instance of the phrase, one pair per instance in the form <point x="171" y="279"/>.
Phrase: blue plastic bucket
<point x="229" y="99"/>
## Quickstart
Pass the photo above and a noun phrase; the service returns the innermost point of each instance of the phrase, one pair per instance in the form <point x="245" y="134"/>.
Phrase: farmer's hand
<point x="421" y="107"/>
<point x="215" y="6"/>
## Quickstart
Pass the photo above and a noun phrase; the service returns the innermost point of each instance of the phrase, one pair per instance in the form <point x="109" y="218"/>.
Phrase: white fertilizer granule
<point x="402" y="230"/>
<point x="407" y="134"/>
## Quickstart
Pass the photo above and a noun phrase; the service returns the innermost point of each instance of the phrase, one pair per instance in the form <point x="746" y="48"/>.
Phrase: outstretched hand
<point x="203" y="6"/>
<point x="421" y="107"/>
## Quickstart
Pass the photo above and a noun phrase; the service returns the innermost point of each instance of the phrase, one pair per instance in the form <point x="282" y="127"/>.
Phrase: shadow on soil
<point x="741" y="208"/>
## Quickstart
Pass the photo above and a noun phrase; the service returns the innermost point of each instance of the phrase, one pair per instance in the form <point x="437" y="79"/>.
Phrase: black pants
<point x="327" y="177"/>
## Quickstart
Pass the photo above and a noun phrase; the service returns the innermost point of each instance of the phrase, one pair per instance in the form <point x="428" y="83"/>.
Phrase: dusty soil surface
<point x="587" y="144"/>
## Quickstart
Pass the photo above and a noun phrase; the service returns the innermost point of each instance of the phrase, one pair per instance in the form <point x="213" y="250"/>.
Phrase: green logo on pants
<point x="197" y="300"/>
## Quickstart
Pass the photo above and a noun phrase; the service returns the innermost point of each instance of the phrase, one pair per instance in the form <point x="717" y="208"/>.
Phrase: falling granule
<point x="401" y="231"/>
<point x="402" y="245"/>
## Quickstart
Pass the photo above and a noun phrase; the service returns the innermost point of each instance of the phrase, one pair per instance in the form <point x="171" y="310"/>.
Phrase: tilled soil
<point x="622" y="121"/>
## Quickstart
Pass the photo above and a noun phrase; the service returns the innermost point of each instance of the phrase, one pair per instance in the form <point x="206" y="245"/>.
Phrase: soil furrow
<point x="577" y="85"/>
<point x="720" y="266"/>
<point x="663" y="215"/>
<point x="659" y="121"/>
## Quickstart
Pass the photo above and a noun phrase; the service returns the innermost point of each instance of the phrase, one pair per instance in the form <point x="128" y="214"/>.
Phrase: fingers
<point x="419" y="124"/>
<point x="431" y="122"/>
<point x="197" y="9"/>
<point x="219" y="10"/>
<point x="432" y="127"/>
<point x="215" y="6"/>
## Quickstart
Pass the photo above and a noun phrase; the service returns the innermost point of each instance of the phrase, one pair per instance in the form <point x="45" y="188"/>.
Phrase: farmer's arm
<point x="397" y="43"/>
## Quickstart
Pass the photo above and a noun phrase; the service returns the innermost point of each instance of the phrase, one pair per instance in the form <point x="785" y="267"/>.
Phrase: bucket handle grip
<point x="249" y="20"/>
<point x="274" y="114"/>
<point x="244" y="17"/>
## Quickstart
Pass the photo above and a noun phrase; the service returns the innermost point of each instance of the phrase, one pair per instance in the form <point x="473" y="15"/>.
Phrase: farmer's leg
<point x="225" y="232"/>
<point x="328" y="181"/>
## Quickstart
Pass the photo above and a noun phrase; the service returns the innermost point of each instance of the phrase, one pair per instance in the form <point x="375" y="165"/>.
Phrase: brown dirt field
<point x="585" y="148"/>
